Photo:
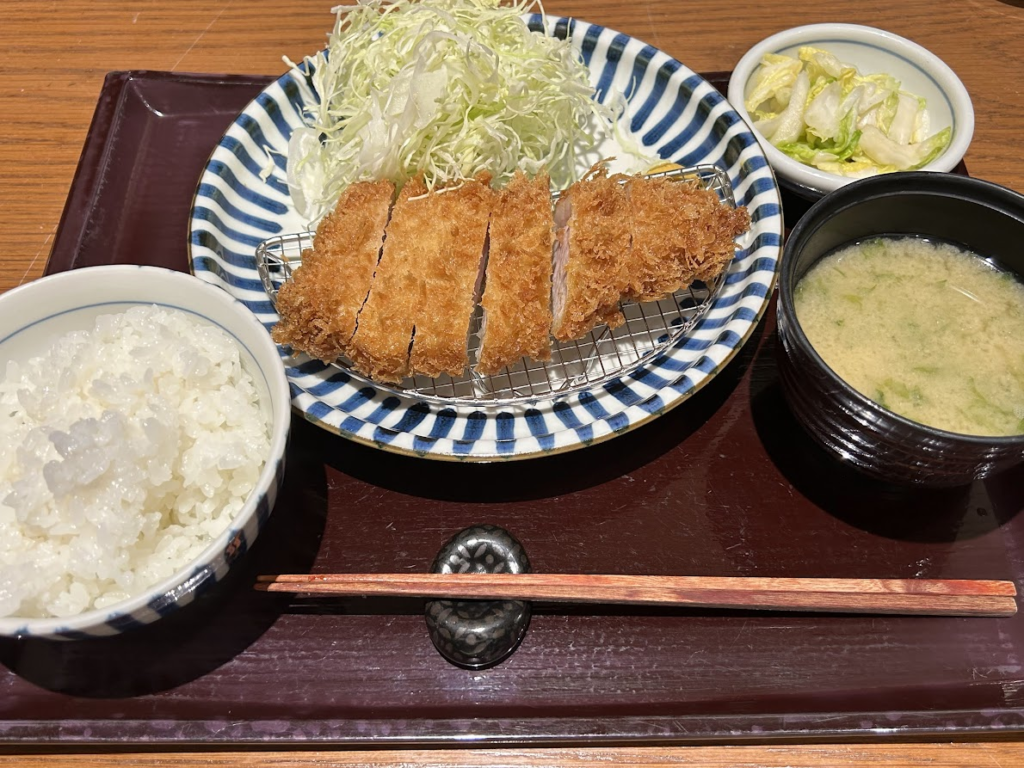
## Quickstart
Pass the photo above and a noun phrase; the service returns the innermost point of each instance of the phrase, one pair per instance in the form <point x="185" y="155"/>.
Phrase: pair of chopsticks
<point x="920" y="597"/>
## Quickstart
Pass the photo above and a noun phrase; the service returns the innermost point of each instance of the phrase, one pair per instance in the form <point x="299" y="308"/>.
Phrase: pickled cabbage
<point x="825" y="114"/>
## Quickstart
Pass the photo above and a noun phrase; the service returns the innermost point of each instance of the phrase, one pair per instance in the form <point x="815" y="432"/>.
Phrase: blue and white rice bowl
<point x="35" y="314"/>
<point x="672" y="112"/>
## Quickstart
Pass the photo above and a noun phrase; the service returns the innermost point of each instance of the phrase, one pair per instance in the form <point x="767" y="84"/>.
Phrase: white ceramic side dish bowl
<point x="33" y="315"/>
<point x="872" y="51"/>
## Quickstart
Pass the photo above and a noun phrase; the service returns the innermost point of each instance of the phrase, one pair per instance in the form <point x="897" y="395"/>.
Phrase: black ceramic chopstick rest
<point x="476" y="634"/>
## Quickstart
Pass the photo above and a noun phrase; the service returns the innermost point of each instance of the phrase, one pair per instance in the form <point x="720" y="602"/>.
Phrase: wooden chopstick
<point x="925" y="597"/>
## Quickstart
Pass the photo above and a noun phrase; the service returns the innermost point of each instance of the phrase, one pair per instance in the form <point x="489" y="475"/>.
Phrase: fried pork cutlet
<point x="517" y="299"/>
<point x="591" y="243"/>
<point x="380" y="346"/>
<point x="715" y="226"/>
<point x="450" y="265"/>
<point x="681" y="233"/>
<point x="318" y="307"/>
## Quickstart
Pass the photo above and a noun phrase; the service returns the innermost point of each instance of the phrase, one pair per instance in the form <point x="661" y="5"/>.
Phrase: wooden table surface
<point x="55" y="56"/>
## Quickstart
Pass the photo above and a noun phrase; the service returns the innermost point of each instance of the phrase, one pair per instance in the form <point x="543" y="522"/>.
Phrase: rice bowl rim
<point x="265" y="356"/>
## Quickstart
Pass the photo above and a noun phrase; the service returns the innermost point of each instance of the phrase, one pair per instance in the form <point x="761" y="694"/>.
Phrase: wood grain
<point x="57" y="54"/>
<point x="971" y="755"/>
<point x="481" y="584"/>
<point x="55" y="58"/>
<point x="920" y="597"/>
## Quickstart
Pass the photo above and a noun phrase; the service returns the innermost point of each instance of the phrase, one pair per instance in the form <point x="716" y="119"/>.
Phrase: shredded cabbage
<point x="446" y="88"/>
<point x="824" y="113"/>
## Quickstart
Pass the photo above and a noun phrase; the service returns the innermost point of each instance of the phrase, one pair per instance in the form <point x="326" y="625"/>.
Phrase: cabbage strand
<point x="446" y="88"/>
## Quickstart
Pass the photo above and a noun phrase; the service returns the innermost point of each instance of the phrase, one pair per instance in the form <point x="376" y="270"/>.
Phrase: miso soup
<point x="925" y="329"/>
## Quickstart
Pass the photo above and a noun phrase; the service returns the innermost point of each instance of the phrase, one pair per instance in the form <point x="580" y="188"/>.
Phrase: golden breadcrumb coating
<point x="681" y="233"/>
<point x="449" y="266"/>
<point x="717" y="233"/>
<point x="380" y="346"/>
<point x="319" y="305"/>
<point x="409" y="313"/>
<point x="517" y="297"/>
<point x="592" y="278"/>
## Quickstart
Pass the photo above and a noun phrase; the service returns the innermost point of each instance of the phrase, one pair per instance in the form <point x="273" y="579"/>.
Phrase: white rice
<point x="124" y="451"/>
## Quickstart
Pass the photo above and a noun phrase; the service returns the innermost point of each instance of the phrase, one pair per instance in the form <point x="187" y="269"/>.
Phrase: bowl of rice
<point x="143" y="427"/>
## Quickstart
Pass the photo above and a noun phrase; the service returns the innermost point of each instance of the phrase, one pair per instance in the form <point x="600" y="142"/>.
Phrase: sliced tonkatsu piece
<point x="451" y="258"/>
<point x="714" y="228"/>
<point x="380" y="346"/>
<point x="517" y="297"/>
<point x="319" y="306"/>
<point x="592" y="237"/>
<point x="681" y="233"/>
<point x="660" y="245"/>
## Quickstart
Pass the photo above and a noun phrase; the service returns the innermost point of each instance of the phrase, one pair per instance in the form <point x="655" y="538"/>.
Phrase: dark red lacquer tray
<point x="724" y="485"/>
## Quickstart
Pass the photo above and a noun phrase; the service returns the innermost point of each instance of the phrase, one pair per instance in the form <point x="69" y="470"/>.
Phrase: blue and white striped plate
<point x="672" y="111"/>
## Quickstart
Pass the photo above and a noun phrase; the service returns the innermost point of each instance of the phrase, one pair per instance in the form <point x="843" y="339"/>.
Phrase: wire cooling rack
<point x="601" y="355"/>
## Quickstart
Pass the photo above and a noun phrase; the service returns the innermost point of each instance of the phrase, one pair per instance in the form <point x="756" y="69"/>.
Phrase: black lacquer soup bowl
<point x="980" y="216"/>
